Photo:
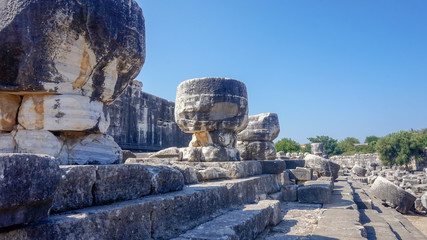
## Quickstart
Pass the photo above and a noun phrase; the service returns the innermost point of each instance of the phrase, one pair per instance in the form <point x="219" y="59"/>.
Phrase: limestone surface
<point x="210" y="104"/>
<point x="63" y="113"/>
<point x="256" y="150"/>
<point x="8" y="109"/>
<point x="75" y="189"/>
<point x="121" y="182"/>
<point x="7" y="143"/>
<point x="261" y="127"/>
<point x="38" y="142"/>
<point x="27" y="185"/>
<point x="81" y="149"/>
<point x="393" y="195"/>
<point x="90" y="48"/>
<point x="322" y="167"/>
<point x="317" y="149"/>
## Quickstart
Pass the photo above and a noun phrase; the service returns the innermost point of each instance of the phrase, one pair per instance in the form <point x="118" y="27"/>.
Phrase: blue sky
<point x="336" y="68"/>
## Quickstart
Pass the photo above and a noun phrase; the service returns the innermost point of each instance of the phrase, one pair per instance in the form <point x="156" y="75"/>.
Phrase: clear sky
<point x="336" y="68"/>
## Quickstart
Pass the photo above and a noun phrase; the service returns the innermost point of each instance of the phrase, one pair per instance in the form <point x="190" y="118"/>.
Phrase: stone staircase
<point x="382" y="222"/>
<point x="225" y="208"/>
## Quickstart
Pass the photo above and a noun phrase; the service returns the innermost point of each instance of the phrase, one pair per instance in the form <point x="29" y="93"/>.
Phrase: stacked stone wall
<point x="357" y="159"/>
<point x="142" y="122"/>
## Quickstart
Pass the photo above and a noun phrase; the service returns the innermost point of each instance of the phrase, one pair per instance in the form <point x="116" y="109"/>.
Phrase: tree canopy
<point x="287" y="145"/>
<point x="398" y="148"/>
<point x="346" y="146"/>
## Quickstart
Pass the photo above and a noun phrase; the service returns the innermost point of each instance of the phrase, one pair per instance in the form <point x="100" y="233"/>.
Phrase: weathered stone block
<point x="93" y="48"/>
<point x="315" y="193"/>
<point x="38" y="142"/>
<point x="321" y="166"/>
<point x="393" y="195"/>
<point x="292" y="164"/>
<point x="165" y="179"/>
<point x="91" y="149"/>
<point x="7" y="143"/>
<point x="63" y="113"/>
<point x="290" y="193"/>
<point x="261" y="127"/>
<point x="359" y="171"/>
<point x="75" y="189"/>
<point x="301" y="174"/>
<point x="424" y="200"/>
<point x="8" y="109"/>
<point x="210" y="104"/>
<point x="256" y="150"/>
<point x="121" y="182"/>
<point x="273" y="166"/>
<point x="210" y="154"/>
<point x="211" y="173"/>
<point x="27" y="185"/>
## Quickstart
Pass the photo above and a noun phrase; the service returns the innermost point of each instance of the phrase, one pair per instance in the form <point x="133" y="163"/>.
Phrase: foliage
<point x="370" y="139"/>
<point x="398" y="148"/>
<point x="287" y="145"/>
<point x="307" y="148"/>
<point x="346" y="146"/>
<point x="329" y="144"/>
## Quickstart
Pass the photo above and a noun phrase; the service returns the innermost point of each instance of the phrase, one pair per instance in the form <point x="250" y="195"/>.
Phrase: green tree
<point x="287" y="145"/>
<point x="329" y="144"/>
<point x="370" y="139"/>
<point x="398" y="148"/>
<point x="346" y="146"/>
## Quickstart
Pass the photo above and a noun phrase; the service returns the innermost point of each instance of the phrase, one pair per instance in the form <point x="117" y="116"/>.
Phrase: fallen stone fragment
<point x="359" y="171"/>
<point x="261" y="127"/>
<point x="27" y="185"/>
<point x="321" y="166"/>
<point x="393" y="195"/>
<point x="63" y="113"/>
<point x="121" y="182"/>
<point x="91" y="48"/>
<point x="256" y="150"/>
<point x="8" y="110"/>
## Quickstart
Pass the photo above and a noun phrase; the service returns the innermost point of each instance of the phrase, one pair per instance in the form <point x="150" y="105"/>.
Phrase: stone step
<point x="338" y="223"/>
<point x="244" y="223"/>
<point x="376" y="227"/>
<point x="161" y="216"/>
<point x="342" y="196"/>
<point x="401" y="227"/>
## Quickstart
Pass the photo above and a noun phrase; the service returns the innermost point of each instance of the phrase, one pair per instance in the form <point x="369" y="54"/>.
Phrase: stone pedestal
<point x="214" y="110"/>
<point x="256" y="141"/>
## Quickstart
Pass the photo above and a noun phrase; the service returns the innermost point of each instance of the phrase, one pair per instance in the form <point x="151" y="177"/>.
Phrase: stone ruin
<point x="256" y="141"/>
<point x="62" y="63"/>
<point x="214" y="110"/>
<point x="65" y="61"/>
